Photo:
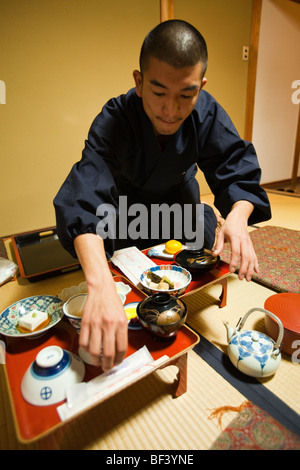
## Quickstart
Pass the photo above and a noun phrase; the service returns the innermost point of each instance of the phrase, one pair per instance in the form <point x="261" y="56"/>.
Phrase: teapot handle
<point x="281" y="329"/>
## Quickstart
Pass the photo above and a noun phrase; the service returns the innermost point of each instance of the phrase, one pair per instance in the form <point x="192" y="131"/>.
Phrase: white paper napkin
<point x="83" y="395"/>
<point x="132" y="263"/>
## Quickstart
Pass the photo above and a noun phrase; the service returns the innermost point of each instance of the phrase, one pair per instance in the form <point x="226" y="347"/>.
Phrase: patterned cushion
<point x="255" y="429"/>
<point x="278" y="253"/>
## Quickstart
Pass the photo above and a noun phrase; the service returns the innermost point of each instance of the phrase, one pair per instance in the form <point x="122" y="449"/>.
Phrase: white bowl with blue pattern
<point x="10" y="317"/>
<point x="46" y="380"/>
<point x="176" y="274"/>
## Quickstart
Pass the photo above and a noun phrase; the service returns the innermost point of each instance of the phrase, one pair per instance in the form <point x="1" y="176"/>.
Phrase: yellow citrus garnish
<point x="130" y="312"/>
<point x="172" y="246"/>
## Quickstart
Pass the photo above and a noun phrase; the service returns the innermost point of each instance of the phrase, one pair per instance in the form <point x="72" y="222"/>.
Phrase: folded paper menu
<point x="132" y="263"/>
<point x="83" y="395"/>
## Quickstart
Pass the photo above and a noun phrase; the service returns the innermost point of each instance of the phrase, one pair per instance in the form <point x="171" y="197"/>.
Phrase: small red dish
<point x="286" y="306"/>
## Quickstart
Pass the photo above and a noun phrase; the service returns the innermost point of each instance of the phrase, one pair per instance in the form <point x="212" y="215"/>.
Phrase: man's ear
<point x="138" y="82"/>
<point x="204" y="82"/>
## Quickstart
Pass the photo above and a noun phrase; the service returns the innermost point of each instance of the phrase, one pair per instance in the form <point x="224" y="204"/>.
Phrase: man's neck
<point x="163" y="140"/>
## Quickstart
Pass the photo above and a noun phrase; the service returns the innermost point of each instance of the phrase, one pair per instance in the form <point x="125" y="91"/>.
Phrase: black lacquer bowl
<point x="196" y="261"/>
<point x="162" y="314"/>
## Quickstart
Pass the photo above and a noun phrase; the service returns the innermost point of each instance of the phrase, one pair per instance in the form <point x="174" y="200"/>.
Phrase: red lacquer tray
<point x="215" y="275"/>
<point x="33" y="422"/>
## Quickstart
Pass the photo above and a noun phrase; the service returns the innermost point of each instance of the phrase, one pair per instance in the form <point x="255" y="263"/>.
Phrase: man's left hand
<point x="234" y="230"/>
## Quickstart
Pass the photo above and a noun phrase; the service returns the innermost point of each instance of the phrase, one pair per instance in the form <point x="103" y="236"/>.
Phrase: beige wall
<point x="275" y="114"/>
<point x="226" y="27"/>
<point x="61" y="60"/>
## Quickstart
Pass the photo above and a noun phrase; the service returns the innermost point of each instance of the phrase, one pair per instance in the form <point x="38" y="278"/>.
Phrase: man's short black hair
<point x="175" y="42"/>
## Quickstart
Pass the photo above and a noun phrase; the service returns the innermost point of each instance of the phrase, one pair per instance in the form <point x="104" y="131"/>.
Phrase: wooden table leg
<point x="223" y="296"/>
<point x="181" y="363"/>
<point x="53" y="440"/>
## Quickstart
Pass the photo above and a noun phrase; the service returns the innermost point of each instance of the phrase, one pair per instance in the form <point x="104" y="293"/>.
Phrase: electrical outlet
<point x="245" y="52"/>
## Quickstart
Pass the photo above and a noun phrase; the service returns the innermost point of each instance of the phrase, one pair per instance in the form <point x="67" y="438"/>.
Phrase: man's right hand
<point x="104" y="328"/>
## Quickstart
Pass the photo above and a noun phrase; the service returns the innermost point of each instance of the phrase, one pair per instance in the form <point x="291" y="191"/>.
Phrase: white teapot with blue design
<point x="253" y="352"/>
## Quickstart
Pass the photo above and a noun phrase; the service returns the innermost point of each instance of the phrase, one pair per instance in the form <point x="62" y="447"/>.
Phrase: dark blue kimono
<point x="122" y="157"/>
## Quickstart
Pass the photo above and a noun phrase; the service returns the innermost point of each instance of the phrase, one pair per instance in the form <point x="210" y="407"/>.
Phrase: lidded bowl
<point x="196" y="261"/>
<point x="162" y="314"/>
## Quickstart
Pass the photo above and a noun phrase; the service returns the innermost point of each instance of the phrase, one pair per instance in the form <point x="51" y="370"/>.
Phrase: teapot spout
<point x="230" y="330"/>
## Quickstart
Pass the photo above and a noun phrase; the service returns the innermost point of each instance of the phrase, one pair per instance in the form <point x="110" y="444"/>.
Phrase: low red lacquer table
<point x="217" y="275"/>
<point x="35" y="422"/>
<point x="39" y="423"/>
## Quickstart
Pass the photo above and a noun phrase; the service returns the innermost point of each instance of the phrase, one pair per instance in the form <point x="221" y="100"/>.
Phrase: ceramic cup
<point x="73" y="307"/>
<point x="73" y="310"/>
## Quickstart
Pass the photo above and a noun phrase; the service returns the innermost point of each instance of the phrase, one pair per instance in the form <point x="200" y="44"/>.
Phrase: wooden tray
<point x="218" y="275"/>
<point x="39" y="254"/>
<point x="33" y="422"/>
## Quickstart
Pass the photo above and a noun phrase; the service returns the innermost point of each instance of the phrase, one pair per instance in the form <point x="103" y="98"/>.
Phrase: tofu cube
<point x="161" y="286"/>
<point x="33" y="319"/>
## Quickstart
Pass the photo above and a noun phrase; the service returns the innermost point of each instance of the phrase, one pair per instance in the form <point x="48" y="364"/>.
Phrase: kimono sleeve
<point x="90" y="183"/>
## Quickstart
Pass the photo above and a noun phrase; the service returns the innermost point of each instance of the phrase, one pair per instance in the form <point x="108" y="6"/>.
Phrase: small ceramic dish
<point x="122" y="290"/>
<point x="68" y="292"/>
<point x="160" y="252"/>
<point x="10" y="317"/>
<point x="131" y="313"/>
<point x="179" y="276"/>
<point x="47" y="378"/>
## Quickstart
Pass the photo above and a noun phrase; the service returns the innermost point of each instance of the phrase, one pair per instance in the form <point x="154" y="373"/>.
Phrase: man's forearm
<point x="91" y="254"/>
<point x="243" y="208"/>
<point x="104" y="330"/>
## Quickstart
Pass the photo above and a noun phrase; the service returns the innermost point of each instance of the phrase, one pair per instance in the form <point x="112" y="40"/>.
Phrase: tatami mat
<point x="146" y="416"/>
<point x="285" y="210"/>
<point x="207" y="318"/>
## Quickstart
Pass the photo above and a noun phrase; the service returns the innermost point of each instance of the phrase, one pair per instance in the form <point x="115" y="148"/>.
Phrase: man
<point x="145" y="145"/>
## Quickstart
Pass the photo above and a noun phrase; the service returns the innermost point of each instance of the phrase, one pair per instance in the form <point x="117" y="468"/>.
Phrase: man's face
<point x="168" y="94"/>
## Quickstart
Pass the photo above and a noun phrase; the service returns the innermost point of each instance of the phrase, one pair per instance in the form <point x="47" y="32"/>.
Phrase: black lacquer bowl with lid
<point x="162" y="314"/>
